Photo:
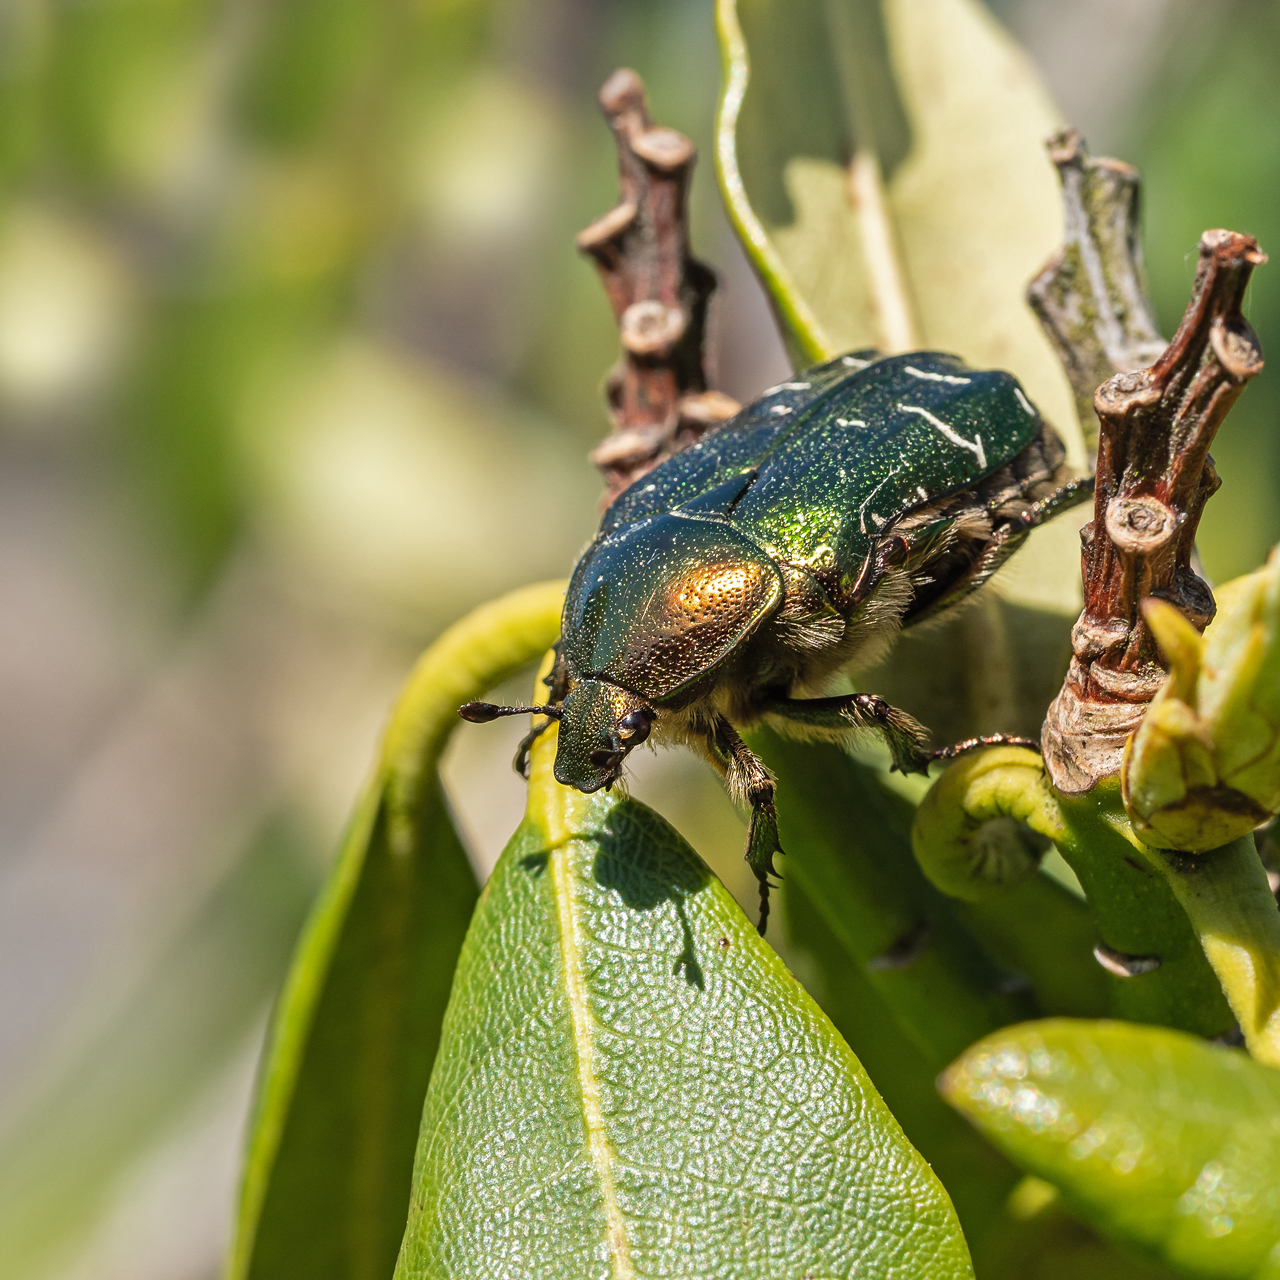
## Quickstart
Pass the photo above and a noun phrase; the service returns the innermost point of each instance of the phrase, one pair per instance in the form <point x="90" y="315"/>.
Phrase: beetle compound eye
<point x="633" y="728"/>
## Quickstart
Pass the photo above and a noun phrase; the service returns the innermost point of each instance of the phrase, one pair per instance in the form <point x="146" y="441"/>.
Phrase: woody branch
<point x="1154" y="477"/>
<point x="658" y="394"/>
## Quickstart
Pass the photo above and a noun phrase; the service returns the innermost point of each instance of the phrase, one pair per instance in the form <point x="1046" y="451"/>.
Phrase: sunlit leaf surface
<point x="630" y="1083"/>
<point x="1159" y="1139"/>
<point x="885" y="166"/>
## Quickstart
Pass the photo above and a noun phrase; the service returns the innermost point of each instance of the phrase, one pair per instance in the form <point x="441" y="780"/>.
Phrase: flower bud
<point x="1203" y="768"/>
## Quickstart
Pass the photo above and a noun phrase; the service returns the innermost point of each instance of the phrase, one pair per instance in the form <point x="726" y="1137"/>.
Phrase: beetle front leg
<point x="557" y="682"/>
<point x="749" y="780"/>
<point x="521" y="762"/>
<point x="836" y="717"/>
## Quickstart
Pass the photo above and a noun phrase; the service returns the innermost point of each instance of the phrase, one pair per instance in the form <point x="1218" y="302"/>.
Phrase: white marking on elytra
<point x="649" y="488"/>
<point x="920" y="489"/>
<point x="852" y="362"/>
<point x="794" y="386"/>
<point x="974" y="446"/>
<point x="862" y="510"/>
<point x="850" y="422"/>
<point x="781" y="410"/>
<point x="1024" y="402"/>
<point x="948" y="378"/>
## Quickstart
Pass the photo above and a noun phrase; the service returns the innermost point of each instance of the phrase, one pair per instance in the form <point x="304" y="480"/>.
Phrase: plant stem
<point x="1140" y="922"/>
<point x="1228" y="900"/>
<point x="660" y="294"/>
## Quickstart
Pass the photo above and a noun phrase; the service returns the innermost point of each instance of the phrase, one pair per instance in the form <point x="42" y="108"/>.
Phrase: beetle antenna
<point x="483" y="712"/>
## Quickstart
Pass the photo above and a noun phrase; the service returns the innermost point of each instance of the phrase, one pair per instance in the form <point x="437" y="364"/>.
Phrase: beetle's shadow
<point x="646" y="872"/>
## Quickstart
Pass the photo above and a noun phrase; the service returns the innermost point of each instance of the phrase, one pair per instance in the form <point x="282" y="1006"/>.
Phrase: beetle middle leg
<point x="834" y="717"/>
<point x="749" y="780"/>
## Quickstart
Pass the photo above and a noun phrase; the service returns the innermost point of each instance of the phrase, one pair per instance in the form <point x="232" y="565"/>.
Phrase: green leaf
<point x="630" y="1083"/>
<point x="978" y="1179"/>
<point x="1161" y="1140"/>
<point x="884" y="165"/>
<point x="330" y="1155"/>
<point x="850" y="851"/>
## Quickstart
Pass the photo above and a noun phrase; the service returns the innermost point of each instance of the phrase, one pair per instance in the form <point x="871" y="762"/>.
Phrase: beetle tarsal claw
<point x="762" y="845"/>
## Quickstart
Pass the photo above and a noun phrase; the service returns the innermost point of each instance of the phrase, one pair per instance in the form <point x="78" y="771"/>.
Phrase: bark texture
<point x="1154" y="475"/>
<point x="659" y="399"/>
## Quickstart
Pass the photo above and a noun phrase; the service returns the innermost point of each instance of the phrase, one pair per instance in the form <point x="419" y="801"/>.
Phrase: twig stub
<point x="1154" y="477"/>
<point x="658" y="394"/>
<point x="1091" y="298"/>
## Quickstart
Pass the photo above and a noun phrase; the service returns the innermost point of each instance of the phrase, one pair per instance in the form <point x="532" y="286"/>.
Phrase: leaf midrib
<point x="560" y="831"/>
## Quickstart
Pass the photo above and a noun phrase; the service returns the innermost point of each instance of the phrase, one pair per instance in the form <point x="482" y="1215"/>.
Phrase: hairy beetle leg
<point x="836" y="717"/>
<point x="749" y="780"/>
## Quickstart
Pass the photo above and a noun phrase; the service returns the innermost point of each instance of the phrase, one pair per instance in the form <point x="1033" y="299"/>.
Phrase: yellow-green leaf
<point x="1157" y="1138"/>
<point x="883" y="162"/>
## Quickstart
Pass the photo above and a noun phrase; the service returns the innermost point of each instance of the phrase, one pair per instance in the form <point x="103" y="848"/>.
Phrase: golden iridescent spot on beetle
<point x="714" y="594"/>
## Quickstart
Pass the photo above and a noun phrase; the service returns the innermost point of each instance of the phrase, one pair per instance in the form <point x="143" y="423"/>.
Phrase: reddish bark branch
<point x="658" y="394"/>
<point x="1154" y="477"/>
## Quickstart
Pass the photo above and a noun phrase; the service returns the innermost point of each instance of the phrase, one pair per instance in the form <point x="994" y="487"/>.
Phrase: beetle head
<point x="599" y="724"/>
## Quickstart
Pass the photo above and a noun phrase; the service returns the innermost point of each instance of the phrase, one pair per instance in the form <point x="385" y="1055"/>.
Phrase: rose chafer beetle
<point x="733" y="581"/>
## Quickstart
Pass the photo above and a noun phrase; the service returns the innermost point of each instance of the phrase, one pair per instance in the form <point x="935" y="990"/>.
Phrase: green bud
<point x="1203" y="768"/>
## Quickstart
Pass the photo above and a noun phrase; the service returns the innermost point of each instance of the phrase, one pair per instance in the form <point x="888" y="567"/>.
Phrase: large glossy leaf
<point x="630" y="1083"/>
<point x="883" y="163"/>
<point x="327" y="1172"/>
<point x="1159" y="1139"/>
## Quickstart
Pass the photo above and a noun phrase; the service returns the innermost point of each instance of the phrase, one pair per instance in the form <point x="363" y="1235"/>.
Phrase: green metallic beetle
<point x="733" y="581"/>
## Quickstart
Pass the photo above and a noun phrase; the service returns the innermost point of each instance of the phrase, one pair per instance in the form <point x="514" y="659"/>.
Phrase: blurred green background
<point x="297" y="363"/>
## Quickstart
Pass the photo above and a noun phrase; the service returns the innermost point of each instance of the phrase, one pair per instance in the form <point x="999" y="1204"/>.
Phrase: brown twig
<point x="658" y="394"/>
<point x="1154" y="477"/>
<point x="1091" y="297"/>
